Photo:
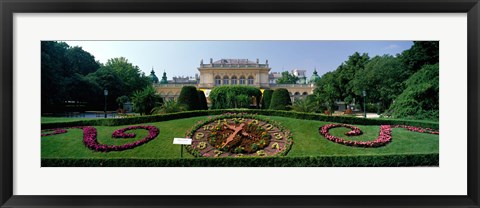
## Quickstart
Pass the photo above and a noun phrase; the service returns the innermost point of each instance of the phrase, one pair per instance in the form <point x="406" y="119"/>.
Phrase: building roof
<point x="234" y="61"/>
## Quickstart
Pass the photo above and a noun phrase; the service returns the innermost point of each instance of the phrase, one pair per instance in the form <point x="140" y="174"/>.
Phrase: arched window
<point x="225" y="80"/>
<point x="242" y="80"/>
<point x="218" y="81"/>
<point x="250" y="80"/>
<point x="234" y="80"/>
<point x="305" y="93"/>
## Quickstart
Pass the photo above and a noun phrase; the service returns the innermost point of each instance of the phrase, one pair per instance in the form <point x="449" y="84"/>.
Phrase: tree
<point x="189" y="97"/>
<point x="420" y="99"/>
<point x="383" y="79"/>
<point x="203" y="100"/>
<point x="287" y="78"/>
<point x="421" y="53"/>
<point x="146" y="100"/>
<point x="280" y="99"/>
<point x="63" y="80"/>
<point x="267" y="97"/>
<point x="346" y="72"/>
<point x="130" y="76"/>
<point x="326" y="92"/>
<point x="81" y="61"/>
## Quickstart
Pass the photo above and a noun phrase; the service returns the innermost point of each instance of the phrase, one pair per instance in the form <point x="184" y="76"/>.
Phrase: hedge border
<point x="189" y="114"/>
<point x="395" y="160"/>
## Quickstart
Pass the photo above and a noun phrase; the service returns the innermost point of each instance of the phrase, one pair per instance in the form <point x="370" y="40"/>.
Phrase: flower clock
<point x="384" y="137"/>
<point x="239" y="135"/>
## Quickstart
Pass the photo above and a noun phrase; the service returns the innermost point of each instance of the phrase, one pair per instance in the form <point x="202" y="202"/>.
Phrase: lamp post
<point x="364" y="93"/>
<point x="105" y="92"/>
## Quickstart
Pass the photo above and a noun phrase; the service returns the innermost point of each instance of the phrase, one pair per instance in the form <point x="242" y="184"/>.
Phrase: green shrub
<point x="170" y="106"/>
<point x="267" y="97"/>
<point x="420" y="99"/>
<point x="223" y="97"/>
<point x="280" y="100"/>
<point x="397" y="160"/>
<point x="189" y="97"/>
<point x="203" y="100"/>
<point x="144" y="101"/>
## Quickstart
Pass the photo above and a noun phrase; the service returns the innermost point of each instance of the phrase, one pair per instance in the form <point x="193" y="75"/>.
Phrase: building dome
<point x="164" y="78"/>
<point x="153" y="77"/>
<point x="315" y="76"/>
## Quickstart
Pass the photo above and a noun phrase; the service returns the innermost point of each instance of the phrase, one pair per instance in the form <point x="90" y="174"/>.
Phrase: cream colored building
<point x="233" y="72"/>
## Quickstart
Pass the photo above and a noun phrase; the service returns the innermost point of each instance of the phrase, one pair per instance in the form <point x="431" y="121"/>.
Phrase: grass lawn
<point x="62" y="119"/>
<point x="307" y="141"/>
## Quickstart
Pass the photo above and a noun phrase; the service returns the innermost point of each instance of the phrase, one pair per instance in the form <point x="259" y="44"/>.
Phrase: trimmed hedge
<point x="289" y="114"/>
<point x="203" y="100"/>
<point x="396" y="160"/>
<point x="280" y="100"/>
<point x="267" y="97"/>
<point x="189" y="97"/>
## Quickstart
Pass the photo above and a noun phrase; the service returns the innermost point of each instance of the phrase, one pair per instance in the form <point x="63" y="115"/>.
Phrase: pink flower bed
<point x="55" y="131"/>
<point x="90" y="138"/>
<point x="384" y="137"/>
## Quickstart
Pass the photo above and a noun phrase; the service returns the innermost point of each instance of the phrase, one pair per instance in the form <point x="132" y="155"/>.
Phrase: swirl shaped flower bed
<point x="383" y="138"/>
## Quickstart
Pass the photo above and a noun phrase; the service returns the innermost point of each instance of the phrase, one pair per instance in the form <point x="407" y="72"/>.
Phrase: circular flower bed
<point x="238" y="135"/>
<point x="53" y="132"/>
<point x="90" y="138"/>
<point x="384" y="137"/>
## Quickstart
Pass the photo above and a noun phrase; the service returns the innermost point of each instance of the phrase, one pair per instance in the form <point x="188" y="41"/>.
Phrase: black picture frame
<point x="10" y="7"/>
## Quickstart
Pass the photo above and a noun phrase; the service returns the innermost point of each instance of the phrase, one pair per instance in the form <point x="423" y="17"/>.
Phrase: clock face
<point x="238" y="137"/>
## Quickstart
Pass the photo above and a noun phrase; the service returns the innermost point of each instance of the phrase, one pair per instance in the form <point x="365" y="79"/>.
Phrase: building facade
<point x="234" y="72"/>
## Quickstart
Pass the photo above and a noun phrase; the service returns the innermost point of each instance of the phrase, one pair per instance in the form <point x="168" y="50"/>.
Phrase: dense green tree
<point x="266" y="98"/>
<point x="421" y="53"/>
<point x="62" y="79"/>
<point x="189" y="97"/>
<point x="287" y="78"/>
<point x="346" y="72"/>
<point x="80" y="61"/>
<point x="327" y="91"/>
<point x="144" y="101"/>
<point x="131" y="77"/>
<point x="280" y="100"/>
<point x="383" y="79"/>
<point x="203" y="100"/>
<point x="420" y="99"/>
<point x="106" y="78"/>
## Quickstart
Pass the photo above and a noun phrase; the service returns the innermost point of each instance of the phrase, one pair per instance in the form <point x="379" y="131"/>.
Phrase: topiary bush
<point x="203" y="100"/>
<point x="267" y="97"/>
<point x="280" y="100"/>
<point x="189" y="97"/>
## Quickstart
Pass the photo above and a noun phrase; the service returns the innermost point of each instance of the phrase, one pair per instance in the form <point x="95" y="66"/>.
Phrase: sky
<point x="181" y="58"/>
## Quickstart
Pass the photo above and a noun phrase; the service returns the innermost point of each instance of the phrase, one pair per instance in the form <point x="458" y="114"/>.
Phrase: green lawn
<point x="62" y="119"/>
<point x="307" y="141"/>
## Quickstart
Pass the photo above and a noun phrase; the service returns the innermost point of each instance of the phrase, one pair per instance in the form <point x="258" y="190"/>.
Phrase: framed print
<point x="239" y="104"/>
